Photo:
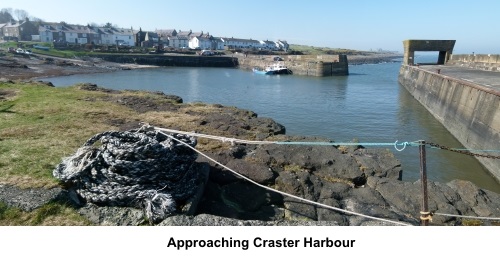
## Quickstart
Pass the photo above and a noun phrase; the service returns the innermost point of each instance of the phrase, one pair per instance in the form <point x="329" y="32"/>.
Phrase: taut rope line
<point x="277" y="191"/>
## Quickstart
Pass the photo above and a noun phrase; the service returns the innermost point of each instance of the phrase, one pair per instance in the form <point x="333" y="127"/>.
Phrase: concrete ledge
<point x="470" y="112"/>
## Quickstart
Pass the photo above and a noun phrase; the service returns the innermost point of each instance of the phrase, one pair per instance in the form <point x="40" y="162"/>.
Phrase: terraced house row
<point x="61" y="32"/>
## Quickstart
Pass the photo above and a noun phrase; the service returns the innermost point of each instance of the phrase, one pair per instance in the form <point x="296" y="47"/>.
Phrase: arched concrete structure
<point x="444" y="47"/>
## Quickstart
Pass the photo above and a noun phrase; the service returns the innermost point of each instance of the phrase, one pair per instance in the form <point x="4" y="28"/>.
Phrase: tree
<point x="5" y="15"/>
<point x="21" y="14"/>
<point x="108" y="25"/>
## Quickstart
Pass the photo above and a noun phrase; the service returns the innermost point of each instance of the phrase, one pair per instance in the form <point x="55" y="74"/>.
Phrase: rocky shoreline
<point x="354" y="179"/>
<point x="24" y="67"/>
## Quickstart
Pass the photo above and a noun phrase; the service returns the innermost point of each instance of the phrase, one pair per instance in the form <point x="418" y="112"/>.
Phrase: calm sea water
<point x="368" y="105"/>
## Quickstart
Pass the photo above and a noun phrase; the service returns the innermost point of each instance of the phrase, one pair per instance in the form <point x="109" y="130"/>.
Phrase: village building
<point x="1" y="29"/>
<point x="18" y="30"/>
<point x="80" y="34"/>
<point x="52" y="32"/>
<point x="237" y="43"/>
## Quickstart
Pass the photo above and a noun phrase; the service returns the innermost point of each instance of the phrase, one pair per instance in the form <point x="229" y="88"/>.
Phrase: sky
<point x="355" y="24"/>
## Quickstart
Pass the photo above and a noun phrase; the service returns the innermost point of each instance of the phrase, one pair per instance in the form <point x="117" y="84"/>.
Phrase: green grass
<point x="51" y="214"/>
<point x="312" y="50"/>
<point x="40" y="125"/>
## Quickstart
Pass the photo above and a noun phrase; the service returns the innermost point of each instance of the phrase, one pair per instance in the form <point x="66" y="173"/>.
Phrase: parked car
<point x="28" y="52"/>
<point x="20" y="51"/>
<point x="12" y="50"/>
<point x="206" y="53"/>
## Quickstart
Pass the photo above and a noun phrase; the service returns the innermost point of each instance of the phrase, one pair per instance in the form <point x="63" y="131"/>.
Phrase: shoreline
<point x="19" y="67"/>
<point x="36" y="66"/>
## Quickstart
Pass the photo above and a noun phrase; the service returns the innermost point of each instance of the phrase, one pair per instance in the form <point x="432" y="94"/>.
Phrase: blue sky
<point x="360" y="25"/>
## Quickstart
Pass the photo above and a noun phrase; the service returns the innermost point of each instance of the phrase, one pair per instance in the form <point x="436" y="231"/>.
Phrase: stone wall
<point x="320" y="65"/>
<point x="470" y="112"/>
<point x="489" y="62"/>
<point x="174" y="60"/>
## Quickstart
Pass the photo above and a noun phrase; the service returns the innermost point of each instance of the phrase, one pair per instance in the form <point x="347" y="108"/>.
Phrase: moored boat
<point x="277" y="68"/>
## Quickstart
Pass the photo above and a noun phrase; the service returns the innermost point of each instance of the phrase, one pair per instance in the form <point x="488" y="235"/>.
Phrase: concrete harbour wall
<point x="489" y="62"/>
<point x="469" y="111"/>
<point x="174" y="60"/>
<point x="303" y="65"/>
<point x="300" y="65"/>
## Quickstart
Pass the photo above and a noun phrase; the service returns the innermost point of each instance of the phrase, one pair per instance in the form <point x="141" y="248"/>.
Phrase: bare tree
<point x="21" y="14"/>
<point x="35" y="19"/>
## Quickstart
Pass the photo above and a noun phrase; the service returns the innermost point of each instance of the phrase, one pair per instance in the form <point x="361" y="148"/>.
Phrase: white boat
<point x="277" y="68"/>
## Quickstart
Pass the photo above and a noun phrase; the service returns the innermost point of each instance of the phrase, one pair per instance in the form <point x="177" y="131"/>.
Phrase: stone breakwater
<point x="357" y="179"/>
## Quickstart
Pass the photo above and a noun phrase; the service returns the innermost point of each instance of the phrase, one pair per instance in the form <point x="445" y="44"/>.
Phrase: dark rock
<point x="46" y="83"/>
<point x="173" y="98"/>
<point x="380" y="163"/>
<point x="248" y="197"/>
<point x="5" y="80"/>
<point x="331" y="194"/>
<point x="481" y="202"/>
<point x="404" y="197"/>
<point x="257" y="172"/>
<point x="214" y="203"/>
<point x="368" y="202"/>
<point x="301" y="184"/>
<point x="191" y="204"/>
<point x="211" y="220"/>
<point x="33" y="198"/>
<point x="113" y="216"/>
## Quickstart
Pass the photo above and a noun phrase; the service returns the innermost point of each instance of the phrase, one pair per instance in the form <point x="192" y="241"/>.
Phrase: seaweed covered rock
<point x="143" y="169"/>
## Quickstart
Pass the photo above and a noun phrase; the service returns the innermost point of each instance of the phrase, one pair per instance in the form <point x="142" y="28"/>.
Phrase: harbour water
<point x="369" y="105"/>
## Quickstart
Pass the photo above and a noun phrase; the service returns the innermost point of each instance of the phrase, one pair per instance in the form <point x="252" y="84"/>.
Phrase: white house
<point x="178" y="41"/>
<point x="107" y="36"/>
<point x="50" y="32"/>
<point x="217" y="43"/>
<point x="77" y="34"/>
<point x="268" y="45"/>
<point x="236" y="43"/>
<point x="200" y="42"/>
<point x="283" y="45"/>
<point x="113" y="36"/>
<point x="123" y="36"/>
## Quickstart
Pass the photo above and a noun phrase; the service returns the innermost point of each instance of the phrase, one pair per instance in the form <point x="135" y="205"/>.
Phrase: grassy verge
<point x="312" y="50"/>
<point x="51" y="214"/>
<point x="38" y="126"/>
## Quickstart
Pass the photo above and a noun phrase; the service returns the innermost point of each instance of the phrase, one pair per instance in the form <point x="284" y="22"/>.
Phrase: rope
<point x="428" y="217"/>
<point x="466" y="217"/>
<point x="137" y="169"/>
<point x="280" y="192"/>
<point x="220" y="138"/>
<point x="403" y="145"/>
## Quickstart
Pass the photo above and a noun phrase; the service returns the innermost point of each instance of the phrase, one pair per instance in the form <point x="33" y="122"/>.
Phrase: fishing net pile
<point x="142" y="169"/>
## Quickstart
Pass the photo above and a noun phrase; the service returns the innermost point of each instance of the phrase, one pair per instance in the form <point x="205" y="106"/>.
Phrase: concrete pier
<point x="465" y="99"/>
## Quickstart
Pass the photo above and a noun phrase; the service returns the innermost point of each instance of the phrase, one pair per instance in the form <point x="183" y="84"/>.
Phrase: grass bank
<point x="40" y="125"/>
